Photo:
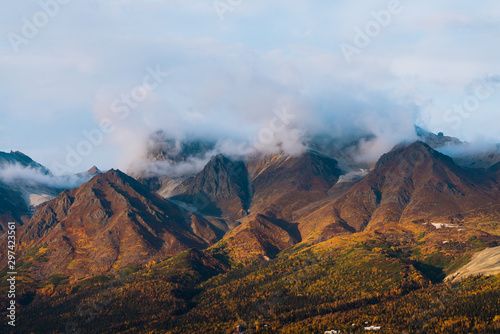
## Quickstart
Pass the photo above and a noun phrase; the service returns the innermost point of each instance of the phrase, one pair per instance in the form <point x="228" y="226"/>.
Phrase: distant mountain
<point x="163" y="150"/>
<point x="19" y="197"/>
<point x="107" y="223"/>
<point x="163" y="147"/>
<point x="342" y="150"/>
<point x="463" y="154"/>
<point x="91" y="172"/>
<point x="484" y="158"/>
<point x="436" y="141"/>
<point x="20" y="159"/>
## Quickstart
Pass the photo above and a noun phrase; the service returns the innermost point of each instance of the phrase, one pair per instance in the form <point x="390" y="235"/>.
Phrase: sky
<point x="85" y="83"/>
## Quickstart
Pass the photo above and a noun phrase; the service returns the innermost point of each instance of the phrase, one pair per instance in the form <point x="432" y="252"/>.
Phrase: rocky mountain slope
<point x="412" y="183"/>
<point x="107" y="223"/>
<point x="222" y="188"/>
<point x="284" y="184"/>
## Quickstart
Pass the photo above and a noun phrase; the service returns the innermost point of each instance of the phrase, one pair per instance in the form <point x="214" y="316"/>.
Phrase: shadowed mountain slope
<point x="222" y="188"/>
<point x="284" y="184"/>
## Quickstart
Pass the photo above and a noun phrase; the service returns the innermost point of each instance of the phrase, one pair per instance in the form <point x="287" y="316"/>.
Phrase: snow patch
<point x="36" y="200"/>
<point x="353" y="176"/>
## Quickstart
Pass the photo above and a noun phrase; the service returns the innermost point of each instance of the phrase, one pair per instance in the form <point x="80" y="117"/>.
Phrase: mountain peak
<point x="415" y="152"/>
<point x="115" y="176"/>
<point x="91" y="172"/>
<point x="224" y="183"/>
<point x="114" y="173"/>
<point x="220" y="160"/>
<point x="94" y="170"/>
<point x="418" y="146"/>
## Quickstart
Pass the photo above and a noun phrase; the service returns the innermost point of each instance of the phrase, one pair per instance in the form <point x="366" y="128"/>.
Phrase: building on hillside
<point x="373" y="328"/>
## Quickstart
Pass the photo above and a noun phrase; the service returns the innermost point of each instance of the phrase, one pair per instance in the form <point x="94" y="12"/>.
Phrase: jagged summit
<point x="112" y="176"/>
<point x="223" y="184"/>
<point x="436" y="140"/>
<point x="94" y="170"/>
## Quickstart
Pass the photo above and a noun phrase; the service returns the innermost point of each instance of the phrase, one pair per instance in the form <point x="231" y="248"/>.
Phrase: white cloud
<point x="226" y="78"/>
<point x="17" y="174"/>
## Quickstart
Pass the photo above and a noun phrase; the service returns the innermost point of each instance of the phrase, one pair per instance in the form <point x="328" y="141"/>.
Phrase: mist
<point x="261" y="105"/>
<point x="18" y="175"/>
<point x="224" y="80"/>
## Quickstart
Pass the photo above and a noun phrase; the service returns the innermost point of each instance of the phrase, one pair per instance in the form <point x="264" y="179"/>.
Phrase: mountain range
<point x="416" y="209"/>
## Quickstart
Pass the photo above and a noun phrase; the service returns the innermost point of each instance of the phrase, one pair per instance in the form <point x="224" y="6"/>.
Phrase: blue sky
<point x="228" y="72"/>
